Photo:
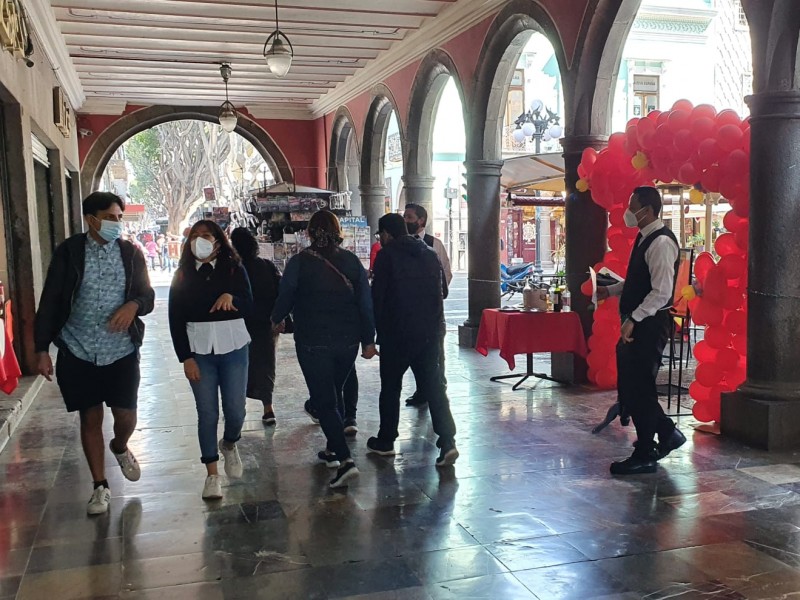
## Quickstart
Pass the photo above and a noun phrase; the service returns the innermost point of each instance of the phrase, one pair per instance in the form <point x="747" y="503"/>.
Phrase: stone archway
<point x="373" y="152"/>
<point x="123" y="129"/>
<point x="505" y="40"/>
<point x="344" y="165"/>
<point x="507" y="37"/>
<point x="432" y="76"/>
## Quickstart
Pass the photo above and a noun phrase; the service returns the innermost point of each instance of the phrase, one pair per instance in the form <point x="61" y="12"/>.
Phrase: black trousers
<point x="348" y="405"/>
<point x="425" y="361"/>
<point x="261" y="368"/>
<point x="638" y="363"/>
<point x="417" y="394"/>
<point x="325" y="370"/>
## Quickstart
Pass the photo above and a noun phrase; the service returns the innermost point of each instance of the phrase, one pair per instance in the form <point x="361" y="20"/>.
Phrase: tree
<point x="173" y="162"/>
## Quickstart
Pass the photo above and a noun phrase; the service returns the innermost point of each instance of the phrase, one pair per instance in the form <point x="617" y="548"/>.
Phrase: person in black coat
<point x="264" y="280"/>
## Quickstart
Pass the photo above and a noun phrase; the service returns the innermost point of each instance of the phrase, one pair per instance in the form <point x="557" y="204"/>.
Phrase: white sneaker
<point x="128" y="463"/>
<point x="212" y="490"/>
<point x="233" y="462"/>
<point x="98" y="503"/>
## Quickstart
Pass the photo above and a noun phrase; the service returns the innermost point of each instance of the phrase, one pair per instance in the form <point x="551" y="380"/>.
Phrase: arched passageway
<point x="373" y="154"/>
<point x="344" y="166"/>
<point x="117" y="134"/>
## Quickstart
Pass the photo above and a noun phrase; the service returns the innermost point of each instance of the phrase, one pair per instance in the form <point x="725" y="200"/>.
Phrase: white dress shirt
<point x="660" y="258"/>
<point x="438" y="247"/>
<point x="217" y="337"/>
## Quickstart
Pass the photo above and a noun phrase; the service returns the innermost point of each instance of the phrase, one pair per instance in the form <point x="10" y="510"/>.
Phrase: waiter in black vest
<point x="646" y="297"/>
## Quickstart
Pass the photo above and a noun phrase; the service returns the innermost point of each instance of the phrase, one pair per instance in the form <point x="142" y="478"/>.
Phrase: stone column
<point x="483" y="243"/>
<point x="373" y="203"/>
<point x="765" y="410"/>
<point x="546" y="241"/>
<point x="585" y="226"/>
<point x="419" y="190"/>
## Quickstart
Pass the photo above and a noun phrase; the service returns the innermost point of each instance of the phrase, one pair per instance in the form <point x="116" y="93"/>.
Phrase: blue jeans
<point x="326" y="369"/>
<point x="225" y="373"/>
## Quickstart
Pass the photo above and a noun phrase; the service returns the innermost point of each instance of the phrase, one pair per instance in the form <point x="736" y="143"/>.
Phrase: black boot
<point x="639" y="463"/>
<point x="674" y="441"/>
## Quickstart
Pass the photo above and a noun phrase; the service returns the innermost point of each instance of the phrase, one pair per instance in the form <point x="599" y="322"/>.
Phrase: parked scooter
<point x="512" y="279"/>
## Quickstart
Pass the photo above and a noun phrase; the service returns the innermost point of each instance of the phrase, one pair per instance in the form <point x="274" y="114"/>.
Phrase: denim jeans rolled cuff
<point x="225" y="376"/>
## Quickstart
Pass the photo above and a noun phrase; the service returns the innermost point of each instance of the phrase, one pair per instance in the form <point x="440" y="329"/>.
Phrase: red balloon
<point x="702" y="265"/>
<point x="683" y="105"/>
<point x="678" y="119"/>
<point x="728" y="359"/>
<point x="736" y="378"/>
<point x="730" y="188"/>
<point x="728" y="117"/>
<point x="729" y="137"/>
<point x="664" y="136"/>
<point x="703" y="352"/>
<point x="734" y="296"/>
<point x="684" y="143"/>
<point x="589" y="157"/>
<point x="708" y="152"/>
<point x="740" y="344"/>
<point x="688" y="174"/>
<point x="653" y="115"/>
<point x="704" y="110"/>
<point x="703" y="128"/>
<point x="631" y="140"/>
<point x="708" y="374"/>
<point x="715" y="286"/>
<point x="734" y="265"/>
<point x="606" y="380"/>
<point x="616" y="143"/>
<point x="703" y="411"/>
<point x="717" y="338"/>
<point x="742" y="206"/>
<point x="699" y="392"/>
<point x="745" y="145"/>
<point x="711" y="179"/>
<point x="663" y="118"/>
<point x="736" y="322"/>
<point x="706" y="313"/>
<point x="645" y="132"/>
<point x="726" y="244"/>
<point x="586" y="288"/>
<point x="742" y="238"/>
<point x="733" y="222"/>
<point x="619" y="243"/>
<point x="736" y="165"/>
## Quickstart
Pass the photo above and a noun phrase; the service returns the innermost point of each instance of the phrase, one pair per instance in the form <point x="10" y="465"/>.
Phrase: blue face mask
<point x="110" y="230"/>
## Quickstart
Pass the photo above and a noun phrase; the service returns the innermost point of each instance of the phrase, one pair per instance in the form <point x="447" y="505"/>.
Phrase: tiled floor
<point x="528" y="512"/>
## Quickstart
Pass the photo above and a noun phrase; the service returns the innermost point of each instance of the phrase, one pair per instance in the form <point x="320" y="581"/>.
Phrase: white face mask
<point x="202" y="248"/>
<point x="630" y="217"/>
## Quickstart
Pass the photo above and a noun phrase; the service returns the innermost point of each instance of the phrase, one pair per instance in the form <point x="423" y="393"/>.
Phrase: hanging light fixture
<point x="228" y="117"/>
<point x="278" y="50"/>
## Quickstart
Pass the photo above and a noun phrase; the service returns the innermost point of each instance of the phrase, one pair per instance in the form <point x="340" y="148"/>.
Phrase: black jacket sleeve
<point x="177" y="318"/>
<point x="380" y="286"/>
<point x="141" y="291"/>
<point x="46" y="321"/>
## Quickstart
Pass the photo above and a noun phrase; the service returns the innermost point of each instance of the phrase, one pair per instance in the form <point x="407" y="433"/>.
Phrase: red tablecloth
<point x="530" y="332"/>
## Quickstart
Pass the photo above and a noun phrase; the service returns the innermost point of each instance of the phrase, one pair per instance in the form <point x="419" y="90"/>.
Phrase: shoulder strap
<point x="343" y="277"/>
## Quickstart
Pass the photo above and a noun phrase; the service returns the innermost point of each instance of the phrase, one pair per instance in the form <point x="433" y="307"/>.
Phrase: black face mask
<point x="412" y="228"/>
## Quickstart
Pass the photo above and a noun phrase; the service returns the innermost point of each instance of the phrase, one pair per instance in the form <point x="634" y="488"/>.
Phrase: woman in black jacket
<point x="209" y="299"/>
<point x="325" y="288"/>
<point x="264" y="280"/>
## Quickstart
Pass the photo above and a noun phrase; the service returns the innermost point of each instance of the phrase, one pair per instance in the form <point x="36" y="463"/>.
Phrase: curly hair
<point x="325" y="230"/>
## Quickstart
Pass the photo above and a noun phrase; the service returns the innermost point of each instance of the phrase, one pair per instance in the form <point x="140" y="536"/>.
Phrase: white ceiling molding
<point x="276" y="111"/>
<point x="452" y="21"/>
<point x="42" y="20"/>
<point x="103" y="106"/>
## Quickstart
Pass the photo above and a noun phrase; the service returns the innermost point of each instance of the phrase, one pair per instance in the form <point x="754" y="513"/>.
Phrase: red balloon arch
<point x="710" y="151"/>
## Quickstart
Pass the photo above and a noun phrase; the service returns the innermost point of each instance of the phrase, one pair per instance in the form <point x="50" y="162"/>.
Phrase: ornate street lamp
<point x="228" y="117"/>
<point x="539" y="123"/>
<point x="278" y="50"/>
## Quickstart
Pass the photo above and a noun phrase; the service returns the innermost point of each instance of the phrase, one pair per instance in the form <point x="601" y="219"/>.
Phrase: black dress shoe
<point x="634" y="465"/>
<point x="675" y="440"/>
<point x="416" y="400"/>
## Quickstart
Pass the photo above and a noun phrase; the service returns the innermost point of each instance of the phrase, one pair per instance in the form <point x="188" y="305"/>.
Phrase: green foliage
<point x="143" y="151"/>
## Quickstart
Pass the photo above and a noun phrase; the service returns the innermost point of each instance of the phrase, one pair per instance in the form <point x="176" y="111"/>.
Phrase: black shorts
<point x="84" y="385"/>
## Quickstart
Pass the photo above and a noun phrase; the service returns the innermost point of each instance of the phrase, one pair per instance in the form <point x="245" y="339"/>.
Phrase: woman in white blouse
<point x="209" y="299"/>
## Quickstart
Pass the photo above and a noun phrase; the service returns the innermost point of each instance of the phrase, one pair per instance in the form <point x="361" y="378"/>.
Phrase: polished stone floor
<point x="529" y="511"/>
